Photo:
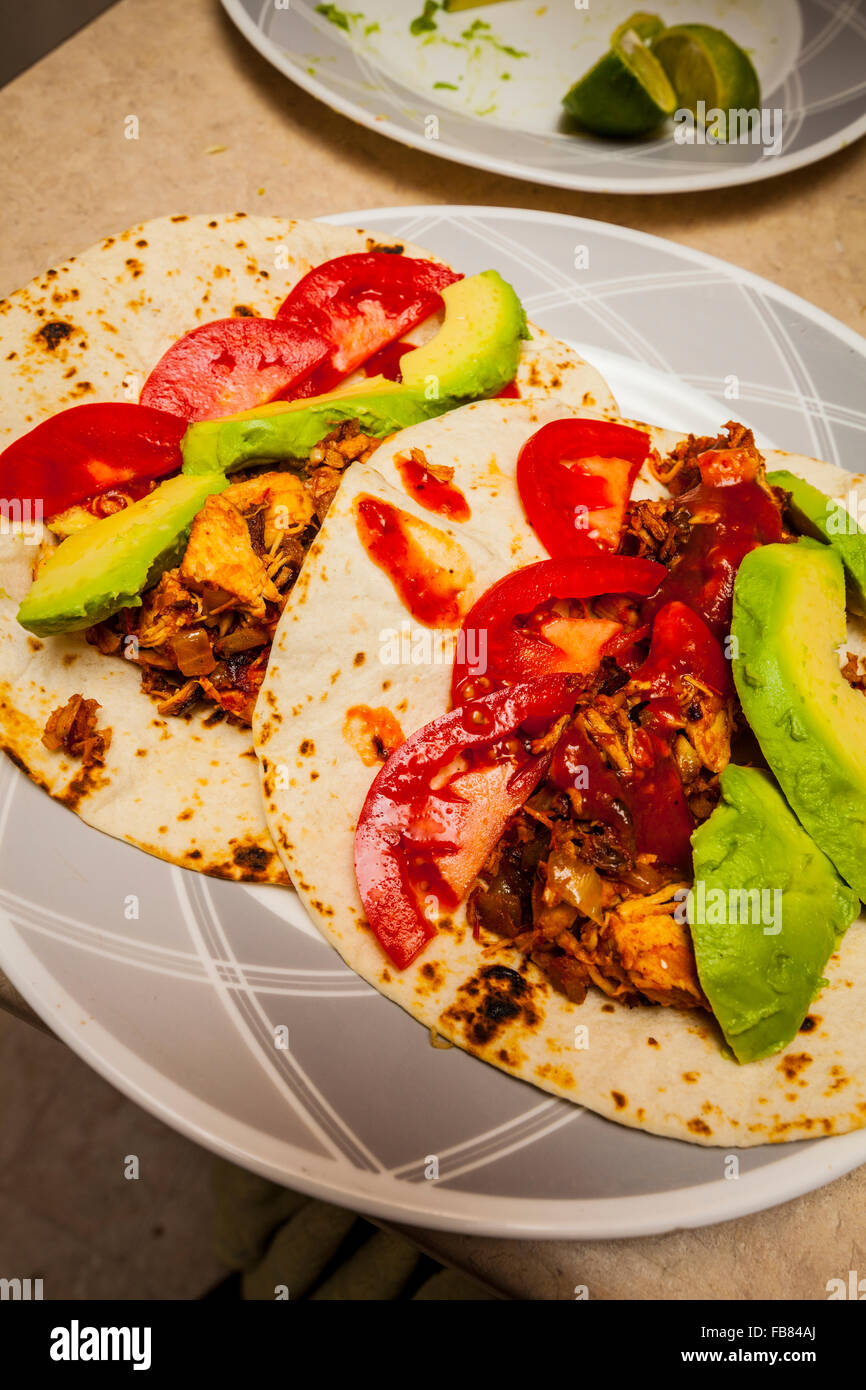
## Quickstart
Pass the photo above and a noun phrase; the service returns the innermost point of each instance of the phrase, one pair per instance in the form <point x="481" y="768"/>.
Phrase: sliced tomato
<point x="721" y="467"/>
<point x="90" y="449"/>
<point x="514" y="631"/>
<point x="575" y="479"/>
<point x="682" y="645"/>
<point x="363" y="302"/>
<point x="441" y="802"/>
<point x="231" y="365"/>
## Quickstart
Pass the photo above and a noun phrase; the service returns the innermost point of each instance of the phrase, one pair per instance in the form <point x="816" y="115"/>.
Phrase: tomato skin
<point x="574" y="510"/>
<point x="509" y="653"/>
<point x="407" y="831"/>
<point x="90" y="449"/>
<point x="229" y="365"/>
<point x="682" y="645"/>
<point x="724" y="467"/>
<point x="361" y="303"/>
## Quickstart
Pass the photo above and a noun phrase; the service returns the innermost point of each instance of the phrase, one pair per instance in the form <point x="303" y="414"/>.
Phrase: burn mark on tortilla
<point x="494" y="998"/>
<point x="252" y="857"/>
<point x="395" y="250"/>
<point x="52" y="334"/>
<point x="608" y="1008"/>
<point x="89" y="779"/>
<point x="243" y="311"/>
<point x="182" y="217"/>
<point x="651" y="1042"/>
<point x="619" y="1100"/>
<point x="134" y="264"/>
<point x="690" y="1077"/>
<point x="560" y="1077"/>
<point x="810" y="1022"/>
<point x="359" y="659"/>
<point x="698" y="1126"/>
<point x="431" y="979"/>
<point x="839" y="1080"/>
<point x="306" y="747"/>
<point x="793" y="1063"/>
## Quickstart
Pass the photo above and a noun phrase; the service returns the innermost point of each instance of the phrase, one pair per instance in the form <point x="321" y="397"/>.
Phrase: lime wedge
<point x="645" y="25"/>
<point x="703" y="64"/>
<point x="625" y="93"/>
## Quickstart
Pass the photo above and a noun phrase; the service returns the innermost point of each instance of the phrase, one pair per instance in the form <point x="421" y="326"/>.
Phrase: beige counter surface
<point x="219" y="130"/>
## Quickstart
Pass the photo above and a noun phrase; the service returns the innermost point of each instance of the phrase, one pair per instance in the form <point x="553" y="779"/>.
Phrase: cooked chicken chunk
<point x="655" y="951"/>
<point x="286" y="503"/>
<point x="220" y="562"/>
<point x="166" y="610"/>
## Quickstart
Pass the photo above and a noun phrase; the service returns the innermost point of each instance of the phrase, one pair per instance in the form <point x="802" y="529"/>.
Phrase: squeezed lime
<point x="627" y="92"/>
<point x="705" y="65"/>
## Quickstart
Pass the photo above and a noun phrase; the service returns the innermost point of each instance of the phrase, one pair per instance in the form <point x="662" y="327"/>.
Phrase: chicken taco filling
<point x="184" y="520"/>
<point x="204" y="631"/>
<point x="603" y="763"/>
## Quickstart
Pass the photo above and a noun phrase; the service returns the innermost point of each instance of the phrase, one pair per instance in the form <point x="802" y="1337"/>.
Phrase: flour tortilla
<point x="649" y="1067"/>
<point x="91" y="329"/>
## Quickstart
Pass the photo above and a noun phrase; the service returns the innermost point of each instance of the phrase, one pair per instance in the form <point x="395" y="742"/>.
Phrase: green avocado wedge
<point x="788" y="621"/>
<point x="474" y="354"/>
<point x="815" y="514"/>
<point x="105" y="567"/>
<point x="766" y="912"/>
<point x="287" y="430"/>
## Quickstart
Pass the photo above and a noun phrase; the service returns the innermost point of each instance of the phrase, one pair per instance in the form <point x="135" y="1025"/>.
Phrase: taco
<point x="180" y="403"/>
<point x="526" y="794"/>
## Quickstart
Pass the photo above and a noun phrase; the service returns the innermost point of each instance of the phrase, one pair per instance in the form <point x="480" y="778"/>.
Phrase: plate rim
<point x="602" y="1218"/>
<point x="599" y="1218"/>
<point x="740" y="174"/>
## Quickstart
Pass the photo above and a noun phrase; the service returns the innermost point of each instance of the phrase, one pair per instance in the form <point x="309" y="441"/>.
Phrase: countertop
<point x="69" y="177"/>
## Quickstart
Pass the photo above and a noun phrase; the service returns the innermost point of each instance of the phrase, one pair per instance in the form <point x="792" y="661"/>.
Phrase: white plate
<point x="448" y="95"/>
<point x="178" y="1009"/>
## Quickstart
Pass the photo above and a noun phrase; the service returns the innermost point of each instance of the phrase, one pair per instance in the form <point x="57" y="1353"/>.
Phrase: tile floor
<point x="67" y="1213"/>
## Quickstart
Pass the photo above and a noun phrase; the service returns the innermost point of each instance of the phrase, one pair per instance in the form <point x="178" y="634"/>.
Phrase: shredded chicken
<point x="646" y="943"/>
<point x="221" y="564"/>
<point x="72" y="727"/>
<point x="655" y="530"/>
<point x="282" y="501"/>
<point x="854" y="673"/>
<point x="203" y="632"/>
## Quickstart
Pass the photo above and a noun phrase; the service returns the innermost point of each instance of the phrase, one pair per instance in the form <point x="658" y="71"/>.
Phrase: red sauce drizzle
<point x="438" y="495"/>
<point x="391" y="538"/>
<point x="386" y="362"/>
<point x="729" y="522"/>
<point x="646" y="808"/>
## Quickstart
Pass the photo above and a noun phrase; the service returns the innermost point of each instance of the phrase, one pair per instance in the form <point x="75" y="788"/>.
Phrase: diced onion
<point x="193" y="652"/>
<point x="577" y="883"/>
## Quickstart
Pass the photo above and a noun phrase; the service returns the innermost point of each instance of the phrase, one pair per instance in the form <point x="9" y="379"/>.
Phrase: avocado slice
<point x="815" y="514"/>
<point x="477" y="349"/>
<point x="474" y="354"/>
<point x="105" y="567"/>
<point x="290" y="429"/>
<point x="754" y="861"/>
<point x="788" y="620"/>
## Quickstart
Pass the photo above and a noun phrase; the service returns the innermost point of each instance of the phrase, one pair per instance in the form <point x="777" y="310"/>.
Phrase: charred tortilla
<point x="91" y="328"/>
<point x="650" y="1067"/>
